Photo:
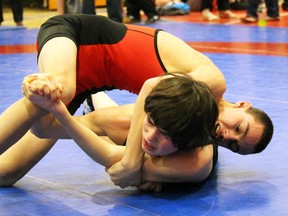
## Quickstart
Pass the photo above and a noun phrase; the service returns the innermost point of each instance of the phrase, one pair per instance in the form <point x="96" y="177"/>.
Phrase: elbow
<point x="202" y="175"/>
<point x="151" y="83"/>
<point x="223" y="84"/>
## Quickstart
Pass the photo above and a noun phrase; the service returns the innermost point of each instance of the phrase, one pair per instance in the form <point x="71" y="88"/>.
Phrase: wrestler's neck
<point x="224" y="104"/>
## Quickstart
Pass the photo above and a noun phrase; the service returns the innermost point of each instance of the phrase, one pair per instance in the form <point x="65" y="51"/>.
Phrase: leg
<point x="58" y="58"/>
<point x="252" y="8"/>
<point x="149" y="8"/>
<point x="22" y="157"/>
<point x="133" y="10"/>
<point x="60" y="6"/>
<point x="285" y="5"/>
<point x="113" y="122"/>
<point x="102" y="100"/>
<point x="73" y="6"/>
<point x="272" y="8"/>
<point x="206" y="8"/>
<point x="114" y="9"/>
<point x="109" y="119"/>
<point x="19" y="118"/>
<point x="224" y="9"/>
<point x="206" y="4"/>
<point x="252" y="15"/>
<point x="223" y="5"/>
<point x="17" y="10"/>
<point x="14" y="124"/>
<point x="88" y="7"/>
<point x="1" y="12"/>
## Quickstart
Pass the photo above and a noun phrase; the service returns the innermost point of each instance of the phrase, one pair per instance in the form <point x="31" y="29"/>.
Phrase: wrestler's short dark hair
<point x="261" y="117"/>
<point x="184" y="109"/>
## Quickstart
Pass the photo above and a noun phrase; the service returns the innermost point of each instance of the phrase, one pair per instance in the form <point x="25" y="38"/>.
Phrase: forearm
<point x="133" y="157"/>
<point x="99" y="150"/>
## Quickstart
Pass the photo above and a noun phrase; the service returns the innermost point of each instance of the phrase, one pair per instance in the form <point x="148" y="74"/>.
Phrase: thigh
<point x="113" y="122"/>
<point x="58" y="57"/>
<point x="22" y="157"/>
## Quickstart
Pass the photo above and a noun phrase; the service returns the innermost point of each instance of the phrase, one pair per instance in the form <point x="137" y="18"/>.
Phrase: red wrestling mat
<point x="10" y="49"/>
<point x="197" y="18"/>
<point x="255" y="48"/>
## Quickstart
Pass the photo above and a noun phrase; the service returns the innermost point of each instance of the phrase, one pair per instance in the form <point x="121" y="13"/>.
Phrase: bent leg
<point x="57" y="58"/>
<point x="109" y="119"/>
<point x="102" y="100"/>
<point x="16" y="121"/>
<point x="22" y="157"/>
<point x="113" y="122"/>
<point x="58" y="62"/>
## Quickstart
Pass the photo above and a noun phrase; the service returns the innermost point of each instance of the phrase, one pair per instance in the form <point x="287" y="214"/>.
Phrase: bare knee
<point x="43" y="127"/>
<point x="8" y="178"/>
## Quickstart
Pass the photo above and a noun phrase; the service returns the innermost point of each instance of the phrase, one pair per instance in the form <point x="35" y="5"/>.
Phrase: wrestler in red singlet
<point x="110" y="55"/>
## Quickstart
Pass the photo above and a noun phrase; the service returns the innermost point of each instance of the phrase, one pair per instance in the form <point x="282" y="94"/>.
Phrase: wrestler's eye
<point x="150" y="121"/>
<point x="165" y="134"/>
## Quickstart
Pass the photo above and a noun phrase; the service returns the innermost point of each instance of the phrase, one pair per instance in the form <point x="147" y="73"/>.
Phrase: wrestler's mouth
<point x="147" y="146"/>
<point x="217" y="130"/>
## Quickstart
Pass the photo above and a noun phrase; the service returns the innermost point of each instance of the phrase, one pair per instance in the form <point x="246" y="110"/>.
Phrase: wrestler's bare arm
<point x="127" y="172"/>
<point x="178" y="56"/>
<point x="19" y="117"/>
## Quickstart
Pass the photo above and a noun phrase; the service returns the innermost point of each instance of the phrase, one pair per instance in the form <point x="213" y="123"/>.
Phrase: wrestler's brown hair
<point x="184" y="109"/>
<point x="261" y="117"/>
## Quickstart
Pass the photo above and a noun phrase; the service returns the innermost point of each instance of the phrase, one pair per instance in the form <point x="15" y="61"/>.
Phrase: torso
<point x="119" y="56"/>
<point x="110" y="55"/>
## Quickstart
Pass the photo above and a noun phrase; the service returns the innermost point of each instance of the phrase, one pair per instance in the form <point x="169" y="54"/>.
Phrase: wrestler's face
<point x="155" y="142"/>
<point x="237" y="130"/>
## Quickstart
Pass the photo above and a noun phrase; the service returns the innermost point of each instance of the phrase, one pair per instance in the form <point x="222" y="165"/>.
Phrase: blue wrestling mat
<point x="5" y="28"/>
<point x="67" y="182"/>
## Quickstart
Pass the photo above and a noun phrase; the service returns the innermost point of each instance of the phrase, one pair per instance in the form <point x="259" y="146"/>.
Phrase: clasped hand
<point x="42" y="90"/>
<point x="124" y="176"/>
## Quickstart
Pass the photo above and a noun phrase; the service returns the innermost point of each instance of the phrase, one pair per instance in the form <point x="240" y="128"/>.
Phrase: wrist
<point x="132" y="163"/>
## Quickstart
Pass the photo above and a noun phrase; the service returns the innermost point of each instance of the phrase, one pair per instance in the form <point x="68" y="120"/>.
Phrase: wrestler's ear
<point x="243" y="104"/>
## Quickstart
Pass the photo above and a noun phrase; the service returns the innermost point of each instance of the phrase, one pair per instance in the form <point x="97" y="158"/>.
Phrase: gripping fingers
<point x="51" y="87"/>
<point x="55" y="95"/>
<point x="26" y="88"/>
<point x="42" y="85"/>
<point x="30" y="78"/>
